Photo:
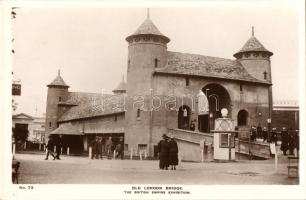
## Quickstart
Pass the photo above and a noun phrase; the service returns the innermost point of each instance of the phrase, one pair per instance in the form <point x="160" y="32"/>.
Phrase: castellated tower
<point x="147" y="51"/>
<point x="255" y="58"/>
<point x="57" y="92"/>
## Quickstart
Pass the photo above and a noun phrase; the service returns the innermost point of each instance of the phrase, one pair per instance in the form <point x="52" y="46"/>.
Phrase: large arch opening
<point x="184" y="117"/>
<point x="218" y="98"/>
<point x="242" y="118"/>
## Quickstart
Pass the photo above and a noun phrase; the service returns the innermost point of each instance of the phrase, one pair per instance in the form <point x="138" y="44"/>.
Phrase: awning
<point x="66" y="129"/>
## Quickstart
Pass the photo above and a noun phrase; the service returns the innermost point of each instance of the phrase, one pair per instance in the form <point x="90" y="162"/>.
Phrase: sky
<point x="88" y="44"/>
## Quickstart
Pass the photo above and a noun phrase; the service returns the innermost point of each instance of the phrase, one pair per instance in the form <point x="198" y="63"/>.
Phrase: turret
<point x="147" y="51"/>
<point x="57" y="93"/>
<point x="255" y="58"/>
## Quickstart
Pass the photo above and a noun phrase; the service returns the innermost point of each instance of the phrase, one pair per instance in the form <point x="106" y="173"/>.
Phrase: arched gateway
<point x="218" y="98"/>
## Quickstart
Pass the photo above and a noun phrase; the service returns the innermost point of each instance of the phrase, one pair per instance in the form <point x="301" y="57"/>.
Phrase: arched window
<point x="50" y="124"/>
<point x="265" y="75"/>
<point x="60" y="99"/>
<point x="242" y="118"/>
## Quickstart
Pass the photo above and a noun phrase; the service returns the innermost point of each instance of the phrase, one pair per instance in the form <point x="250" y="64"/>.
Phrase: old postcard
<point x="109" y="100"/>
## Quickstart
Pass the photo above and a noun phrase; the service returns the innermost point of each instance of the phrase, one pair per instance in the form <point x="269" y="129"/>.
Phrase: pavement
<point x="82" y="170"/>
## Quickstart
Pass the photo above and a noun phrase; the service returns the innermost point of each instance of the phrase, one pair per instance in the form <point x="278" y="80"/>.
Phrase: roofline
<point x="55" y="85"/>
<point x="252" y="51"/>
<point x="14" y="116"/>
<point x="96" y="116"/>
<point x="212" y="77"/>
<point x="131" y="36"/>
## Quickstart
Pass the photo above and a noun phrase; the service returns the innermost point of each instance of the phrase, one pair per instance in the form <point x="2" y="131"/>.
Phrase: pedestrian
<point x="259" y="131"/>
<point x="59" y="145"/>
<point x="173" y="153"/>
<point x="253" y="133"/>
<point x="274" y="136"/>
<point x="94" y="147"/>
<point x="265" y="134"/>
<point x="297" y="142"/>
<point x="192" y="126"/>
<point x="284" y="136"/>
<point x="109" y="147"/>
<point x="99" y="148"/>
<point x="120" y="149"/>
<point x="163" y="152"/>
<point x="50" y="146"/>
<point x="291" y="143"/>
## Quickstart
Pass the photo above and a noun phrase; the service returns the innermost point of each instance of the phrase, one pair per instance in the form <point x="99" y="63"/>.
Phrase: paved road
<point x="80" y="170"/>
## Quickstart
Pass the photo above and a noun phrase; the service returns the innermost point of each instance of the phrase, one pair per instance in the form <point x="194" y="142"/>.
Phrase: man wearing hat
<point x="163" y="152"/>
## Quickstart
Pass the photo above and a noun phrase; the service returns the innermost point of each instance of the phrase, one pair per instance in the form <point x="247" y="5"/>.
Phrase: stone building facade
<point x="161" y="93"/>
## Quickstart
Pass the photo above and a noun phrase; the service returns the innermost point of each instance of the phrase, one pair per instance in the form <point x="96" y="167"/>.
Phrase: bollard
<point x="46" y="150"/>
<point x="68" y="151"/>
<point x="39" y="147"/>
<point x="54" y="148"/>
<point x="114" y="154"/>
<point x="25" y="145"/>
<point x="89" y="151"/>
<point x="61" y="150"/>
<point x="131" y="155"/>
<point x="44" y="147"/>
<point x="140" y="155"/>
<point x="14" y="149"/>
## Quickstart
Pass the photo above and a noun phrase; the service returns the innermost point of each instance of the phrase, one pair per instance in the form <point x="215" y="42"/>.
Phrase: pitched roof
<point x="23" y="116"/>
<point x="58" y="81"/>
<point x="148" y="28"/>
<point x="253" y="45"/>
<point x="93" y="105"/>
<point x="66" y="129"/>
<point x="205" y="66"/>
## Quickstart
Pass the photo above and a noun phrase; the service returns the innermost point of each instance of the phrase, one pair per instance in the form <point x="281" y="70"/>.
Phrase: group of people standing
<point x="99" y="147"/>
<point x="168" y="153"/>
<point x="290" y="141"/>
<point x="54" y="141"/>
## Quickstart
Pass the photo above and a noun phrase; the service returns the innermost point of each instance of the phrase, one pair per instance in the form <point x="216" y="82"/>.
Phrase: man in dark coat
<point x="173" y="153"/>
<point x="94" y="148"/>
<point x="284" y="146"/>
<point x="50" y="146"/>
<point x="120" y="149"/>
<point x="59" y="145"/>
<point x="259" y="131"/>
<point x="99" y="148"/>
<point x="274" y="136"/>
<point x="265" y="134"/>
<point x="291" y="143"/>
<point x="163" y="152"/>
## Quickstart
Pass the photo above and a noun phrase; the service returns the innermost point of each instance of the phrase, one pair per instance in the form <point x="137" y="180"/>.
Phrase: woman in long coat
<point x="163" y="152"/>
<point x="173" y="153"/>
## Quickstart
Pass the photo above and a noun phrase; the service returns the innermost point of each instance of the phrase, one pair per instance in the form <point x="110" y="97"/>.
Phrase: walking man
<point x="265" y="134"/>
<point x="108" y="147"/>
<point x="50" y="146"/>
<point x="59" y="145"/>
<point x="285" y="137"/>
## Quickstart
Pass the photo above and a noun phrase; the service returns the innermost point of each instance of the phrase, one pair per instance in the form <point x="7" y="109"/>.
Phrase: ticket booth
<point x="224" y="137"/>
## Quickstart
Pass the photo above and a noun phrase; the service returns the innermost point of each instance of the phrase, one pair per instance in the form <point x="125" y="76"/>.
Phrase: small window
<point x="138" y="113"/>
<point x="60" y="99"/>
<point x="265" y="75"/>
<point x="155" y="62"/>
<point x="50" y="124"/>
<point x="142" y="147"/>
<point x="187" y="81"/>
<point x="241" y="88"/>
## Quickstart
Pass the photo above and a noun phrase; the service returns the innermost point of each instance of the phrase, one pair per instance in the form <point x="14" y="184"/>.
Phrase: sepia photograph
<point x="157" y="99"/>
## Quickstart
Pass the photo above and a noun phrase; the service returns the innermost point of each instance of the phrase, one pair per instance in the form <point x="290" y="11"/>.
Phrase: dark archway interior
<point x="218" y="98"/>
<point x="184" y="119"/>
<point x="242" y="118"/>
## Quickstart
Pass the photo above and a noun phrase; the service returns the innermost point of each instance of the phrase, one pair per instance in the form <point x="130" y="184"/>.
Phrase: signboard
<point x="203" y="106"/>
<point x="16" y="89"/>
<point x="227" y="141"/>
